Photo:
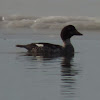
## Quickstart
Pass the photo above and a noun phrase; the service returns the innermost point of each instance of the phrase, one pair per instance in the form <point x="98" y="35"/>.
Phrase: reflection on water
<point x="67" y="71"/>
<point x="68" y="77"/>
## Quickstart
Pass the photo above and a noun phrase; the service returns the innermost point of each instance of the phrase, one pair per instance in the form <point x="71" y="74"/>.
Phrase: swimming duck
<point x="48" y="49"/>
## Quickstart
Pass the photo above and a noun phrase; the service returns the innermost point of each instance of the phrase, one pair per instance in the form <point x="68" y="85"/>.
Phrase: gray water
<point x="50" y="7"/>
<point x="35" y="78"/>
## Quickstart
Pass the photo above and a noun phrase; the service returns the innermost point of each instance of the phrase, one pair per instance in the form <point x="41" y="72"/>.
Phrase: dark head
<point x="68" y="31"/>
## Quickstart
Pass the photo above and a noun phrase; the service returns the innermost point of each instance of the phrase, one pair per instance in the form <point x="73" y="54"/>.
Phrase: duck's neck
<point x="67" y="42"/>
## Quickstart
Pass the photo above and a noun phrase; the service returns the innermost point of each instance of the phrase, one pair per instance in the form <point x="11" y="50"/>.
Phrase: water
<point x="36" y="78"/>
<point x="50" y="7"/>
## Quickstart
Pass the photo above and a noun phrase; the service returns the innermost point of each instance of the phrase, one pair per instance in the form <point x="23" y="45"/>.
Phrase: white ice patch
<point x="50" y="22"/>
<point x="40" y="45"/>
<point x="35" y="21"/>
<point x="3" y="18"/>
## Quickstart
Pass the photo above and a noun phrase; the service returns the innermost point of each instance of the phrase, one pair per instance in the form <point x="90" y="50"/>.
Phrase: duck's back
<point x="42" y="48"/>
<point x="46" y="48"/>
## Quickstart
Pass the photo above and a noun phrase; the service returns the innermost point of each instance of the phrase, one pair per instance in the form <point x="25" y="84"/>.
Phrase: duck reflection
<point x="68" y="71"/>
<point x="68" y="77"/>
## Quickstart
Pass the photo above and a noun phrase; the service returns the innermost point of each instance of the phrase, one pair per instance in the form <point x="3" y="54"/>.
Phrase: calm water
<point x="35" y="78"/>
<point x="50" y="7"/>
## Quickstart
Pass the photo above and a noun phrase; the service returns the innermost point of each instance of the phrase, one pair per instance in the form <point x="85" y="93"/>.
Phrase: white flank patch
<point x="40" y="45"/>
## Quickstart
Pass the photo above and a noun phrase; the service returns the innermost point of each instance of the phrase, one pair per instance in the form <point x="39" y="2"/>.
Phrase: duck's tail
<point x="28" y="47"/>
<point x="21" y="46"/>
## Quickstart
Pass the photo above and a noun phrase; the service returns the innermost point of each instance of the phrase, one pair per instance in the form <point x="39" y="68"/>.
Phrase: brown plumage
<point x="53" y="49"/>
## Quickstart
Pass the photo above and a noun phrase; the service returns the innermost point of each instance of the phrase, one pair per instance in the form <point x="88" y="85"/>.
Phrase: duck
<point x="49" y="49"/>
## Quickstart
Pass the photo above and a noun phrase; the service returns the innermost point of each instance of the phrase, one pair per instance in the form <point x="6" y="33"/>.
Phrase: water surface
<point x="37" y="78"/>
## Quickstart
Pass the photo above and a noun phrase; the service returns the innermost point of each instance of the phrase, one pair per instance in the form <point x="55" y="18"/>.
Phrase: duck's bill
<point x="77" y="33"/>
